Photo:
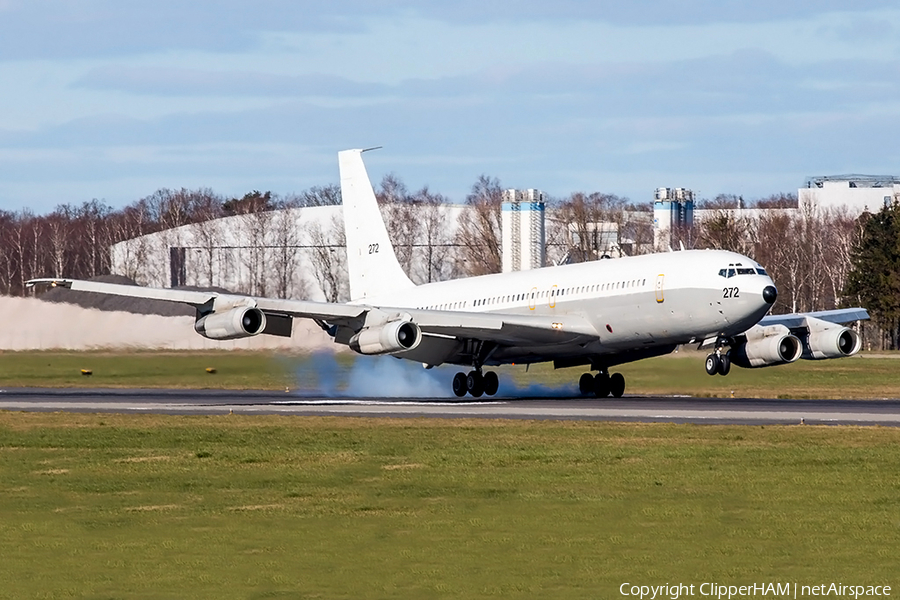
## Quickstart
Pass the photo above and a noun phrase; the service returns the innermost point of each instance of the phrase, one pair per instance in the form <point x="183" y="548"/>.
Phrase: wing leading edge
<point x="502" y="329"/>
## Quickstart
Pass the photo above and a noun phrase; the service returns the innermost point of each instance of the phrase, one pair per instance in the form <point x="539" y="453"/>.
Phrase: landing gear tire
<point x="724" y="364"/>
<point x="712" y="364"/>
<point x="475" y="384"/>
<point x="586" y="384"/>
<point x="601" y="385"/>
<point x="617" y="385"/>
<point x="491" y="383"/>
<point x="459" y="385"/>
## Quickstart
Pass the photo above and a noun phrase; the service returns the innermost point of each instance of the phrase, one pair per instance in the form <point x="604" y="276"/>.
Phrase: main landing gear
<point x="718" y="363"/>
<point x="602" y="384"/>
<point x="476" y="383"/>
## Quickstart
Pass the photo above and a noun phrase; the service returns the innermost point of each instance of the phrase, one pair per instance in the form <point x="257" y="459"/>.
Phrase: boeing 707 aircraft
<point x="596" y="314"/>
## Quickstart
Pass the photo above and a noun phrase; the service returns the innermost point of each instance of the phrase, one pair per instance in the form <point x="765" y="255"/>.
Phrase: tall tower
<point x="672" y="208"/>
<point x="523" y="234"/>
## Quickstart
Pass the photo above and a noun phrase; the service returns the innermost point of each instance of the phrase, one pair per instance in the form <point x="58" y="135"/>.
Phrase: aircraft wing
<point x="504" y="329"/>
<point x="208" y="301"/>
<point x="840" y="316"/>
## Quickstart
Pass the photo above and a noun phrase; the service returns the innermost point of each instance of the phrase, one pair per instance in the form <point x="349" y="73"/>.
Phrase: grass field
<point x="106" y="506"/>
<point x="876" y="376"/>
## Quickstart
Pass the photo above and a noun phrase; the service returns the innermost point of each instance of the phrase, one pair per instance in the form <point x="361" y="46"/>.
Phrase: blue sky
<point x="114" y="100"/>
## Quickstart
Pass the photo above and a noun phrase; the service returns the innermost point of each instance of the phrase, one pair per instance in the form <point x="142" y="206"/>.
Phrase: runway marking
<point x="492" y="410"/>
<point x="385" y="402"/>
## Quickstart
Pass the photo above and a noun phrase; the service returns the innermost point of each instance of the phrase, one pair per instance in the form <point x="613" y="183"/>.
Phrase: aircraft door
<point x="659" y="288"/>
<point x="532" y="296"/>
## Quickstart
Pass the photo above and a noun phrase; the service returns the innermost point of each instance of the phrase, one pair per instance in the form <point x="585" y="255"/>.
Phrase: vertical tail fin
<point x="374" y="270"/>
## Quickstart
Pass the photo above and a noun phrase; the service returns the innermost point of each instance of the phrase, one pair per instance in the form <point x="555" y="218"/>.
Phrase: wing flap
<point x="506" y="329"/>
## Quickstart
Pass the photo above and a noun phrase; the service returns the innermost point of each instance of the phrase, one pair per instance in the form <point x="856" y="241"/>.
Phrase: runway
<point x="648" y="409"/>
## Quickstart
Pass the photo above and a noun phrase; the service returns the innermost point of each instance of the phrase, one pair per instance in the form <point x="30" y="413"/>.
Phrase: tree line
<point x="820" y="259"/>
<point x="74" y="240"/>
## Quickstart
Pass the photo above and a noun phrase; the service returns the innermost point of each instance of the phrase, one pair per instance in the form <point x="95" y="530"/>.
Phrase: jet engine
<point x="831" y="343"/>
<point x="234" y="324"/>
<point x="395" y="336"/>
<point x="766" y="347"/>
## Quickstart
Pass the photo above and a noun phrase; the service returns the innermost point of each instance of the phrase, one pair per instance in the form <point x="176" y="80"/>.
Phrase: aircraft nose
<point x="770" y="294"/>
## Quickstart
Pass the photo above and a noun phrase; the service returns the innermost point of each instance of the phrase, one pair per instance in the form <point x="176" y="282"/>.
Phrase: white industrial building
<point x="858" y="193"/>
<point x="282" y="253"/>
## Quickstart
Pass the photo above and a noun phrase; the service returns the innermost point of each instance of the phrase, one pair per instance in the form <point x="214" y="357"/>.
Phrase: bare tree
<point x="132" y="224"/>
<point x="594" y="223"/>
<point x="391" y="190"/>
<point x="328" y="258"/>
<point x="400" y="219"/>
<point x="95" y="236"/>
<point x="59" y="234"/>
<point x="841" y="233"/>
<point x="773" y="249"/>
<point x="7" y="253"/>
<point x="285" y="260"/>
<point x="479" y="228"/>
<point x="208" y="232"/>
<point x="255" y="212"/>
<point x="436" y="262"/>
<point x="329" y="195"/>
<point x="724" y="230"/>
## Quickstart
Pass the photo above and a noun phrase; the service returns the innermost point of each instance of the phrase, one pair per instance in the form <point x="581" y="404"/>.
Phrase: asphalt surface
<point x="748" y="411"/>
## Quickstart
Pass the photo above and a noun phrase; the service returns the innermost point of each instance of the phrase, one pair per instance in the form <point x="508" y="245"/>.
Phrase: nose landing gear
<point x="718" y="363"/>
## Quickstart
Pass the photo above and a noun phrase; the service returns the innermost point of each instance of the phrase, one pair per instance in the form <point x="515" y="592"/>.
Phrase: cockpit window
<point x="739" y="269"/>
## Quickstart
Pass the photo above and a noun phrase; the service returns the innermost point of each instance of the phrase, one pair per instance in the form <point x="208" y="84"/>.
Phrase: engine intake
<point x="767" y="351"/>
<point x="396" y="336"/>
<point x="234" y="324"/>
<point x="831" y="343"/>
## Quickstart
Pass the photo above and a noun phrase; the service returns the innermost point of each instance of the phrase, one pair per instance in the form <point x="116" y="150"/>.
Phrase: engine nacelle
<point x="241" y="322"/>
<point x="831" y="343"/>
<point x="396" y="336"/>
<point x="767" y="351"/>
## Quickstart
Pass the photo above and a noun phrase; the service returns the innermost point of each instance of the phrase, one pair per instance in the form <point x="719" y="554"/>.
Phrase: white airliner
<point x="596" y="314"/>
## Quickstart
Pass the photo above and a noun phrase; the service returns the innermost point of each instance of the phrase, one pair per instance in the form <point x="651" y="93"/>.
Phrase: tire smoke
<point x="323" y="375"/>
